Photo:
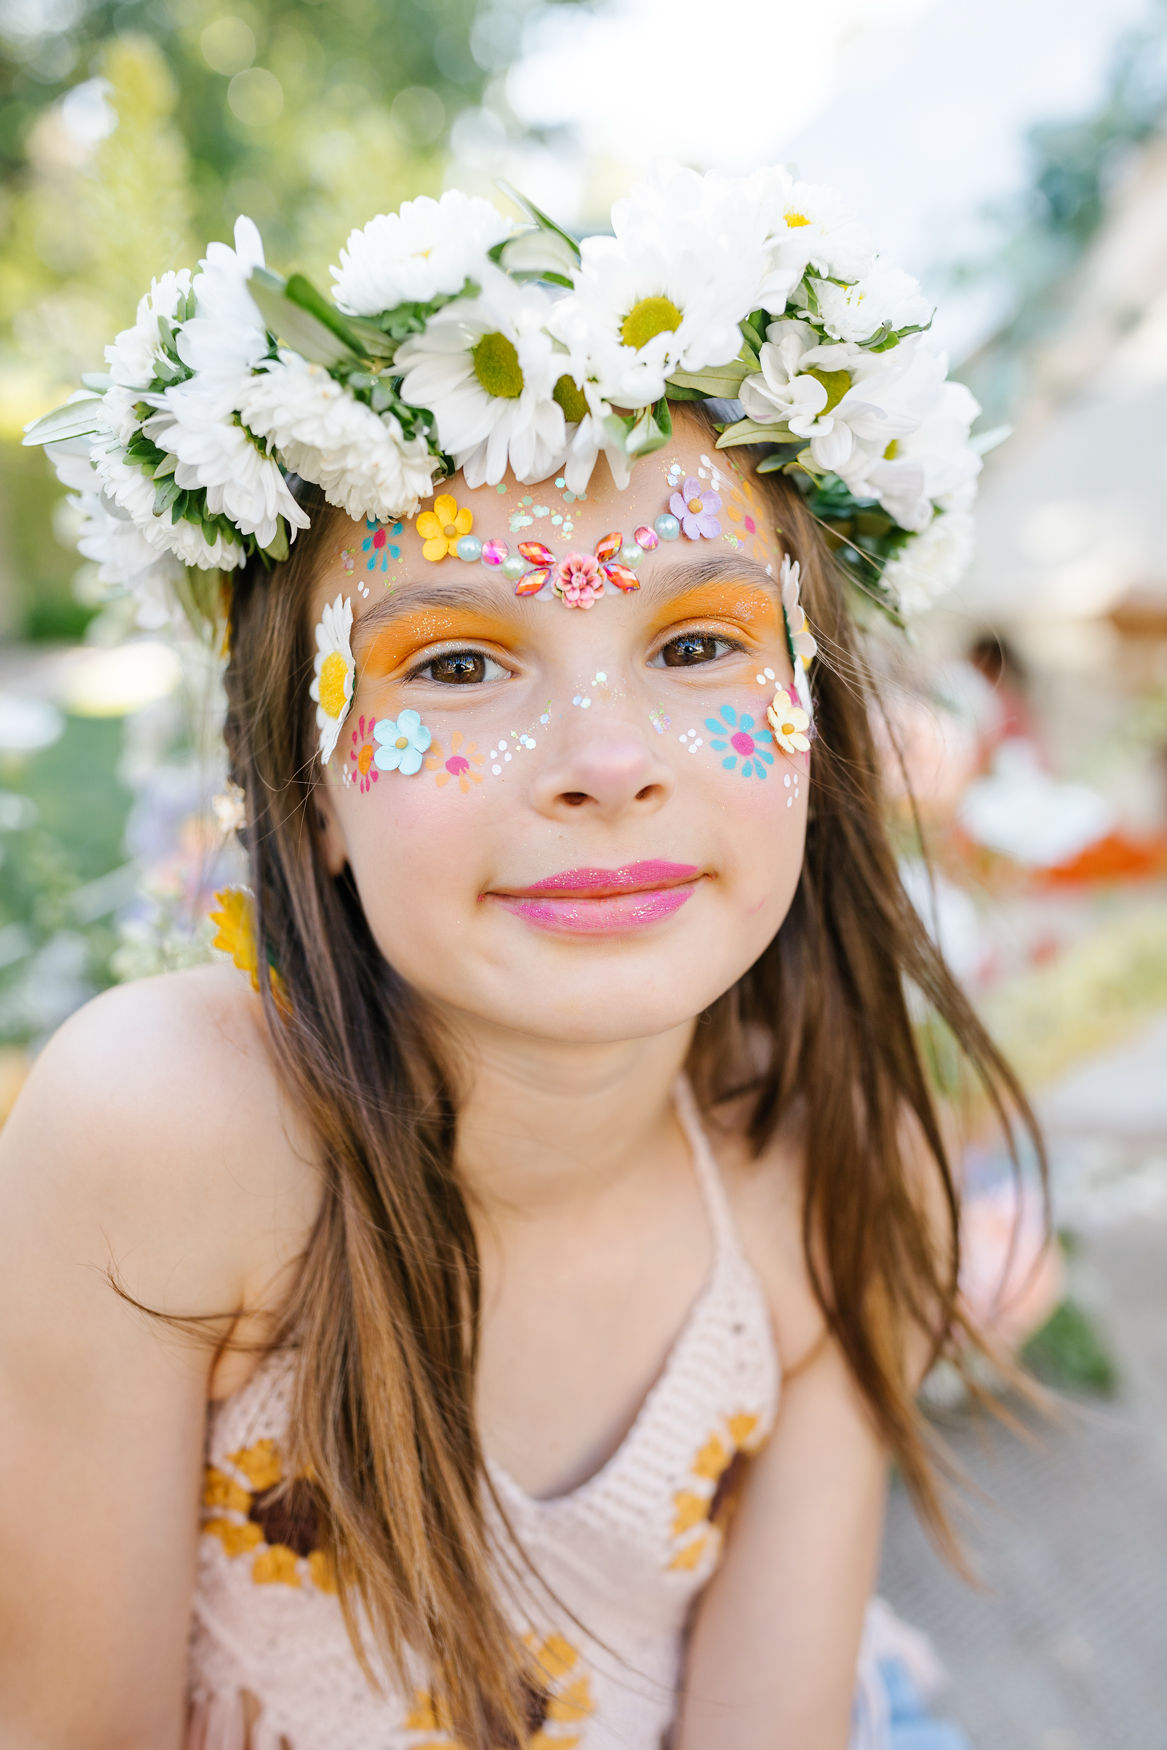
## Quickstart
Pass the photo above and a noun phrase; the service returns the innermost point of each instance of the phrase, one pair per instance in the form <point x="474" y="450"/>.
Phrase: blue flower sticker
<point x="378" y="545"/>
<point x="737" y="743"/>
<point x="402" y="742"/>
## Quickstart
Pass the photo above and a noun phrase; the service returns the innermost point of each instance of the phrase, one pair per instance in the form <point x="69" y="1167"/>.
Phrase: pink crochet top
<point x="629" y="1551"/>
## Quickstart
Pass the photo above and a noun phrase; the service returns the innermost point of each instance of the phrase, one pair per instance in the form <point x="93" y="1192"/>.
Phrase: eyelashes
<point x="469" y="665"/>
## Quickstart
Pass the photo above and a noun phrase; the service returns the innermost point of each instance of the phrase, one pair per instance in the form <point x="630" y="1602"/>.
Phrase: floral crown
<point x="457" y="340"/>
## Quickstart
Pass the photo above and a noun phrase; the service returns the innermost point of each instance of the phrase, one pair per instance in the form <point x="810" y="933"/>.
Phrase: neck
<point x="548" y="1126"/>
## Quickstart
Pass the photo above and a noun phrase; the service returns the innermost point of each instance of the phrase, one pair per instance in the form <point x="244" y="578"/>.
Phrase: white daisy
<point x="650" y="310"/>
<point x="810" y="227"/>
<point x="802" y="639"/>
<point x="586" y="414"/>
<point x="332" y="686"/>
<point x="134" y="355"/>
<point x="428" y="248"/>
<point x="484" y="368"/>
<point x="361" y="460"/>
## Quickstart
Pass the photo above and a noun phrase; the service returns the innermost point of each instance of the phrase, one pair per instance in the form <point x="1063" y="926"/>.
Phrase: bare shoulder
<point x="155" y="1112"/>
<point x="766" y="1196"/>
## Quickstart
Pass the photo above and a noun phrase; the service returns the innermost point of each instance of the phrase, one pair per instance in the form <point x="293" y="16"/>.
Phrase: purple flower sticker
<point x="695" y="508"/>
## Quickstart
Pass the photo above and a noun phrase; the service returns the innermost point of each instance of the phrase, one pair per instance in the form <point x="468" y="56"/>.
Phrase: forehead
<point x="369" y="561"/>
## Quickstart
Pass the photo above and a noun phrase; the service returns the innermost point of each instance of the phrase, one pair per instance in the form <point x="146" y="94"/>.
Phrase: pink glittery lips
<point x="598" y="902"/>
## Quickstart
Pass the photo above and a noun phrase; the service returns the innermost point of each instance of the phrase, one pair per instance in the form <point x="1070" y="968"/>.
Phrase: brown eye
<point x="693" y="647"/>
<point x="461" y="668"/>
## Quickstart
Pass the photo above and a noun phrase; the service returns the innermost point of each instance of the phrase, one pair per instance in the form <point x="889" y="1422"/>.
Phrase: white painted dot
<point x="508" y="756"/>
<point x="786" y="780"/>
<point x="497" y="770"/>
<point x="790" y="802"/>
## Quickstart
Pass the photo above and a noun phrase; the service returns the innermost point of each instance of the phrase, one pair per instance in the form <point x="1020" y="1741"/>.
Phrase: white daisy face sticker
<point x="332" y="685"/>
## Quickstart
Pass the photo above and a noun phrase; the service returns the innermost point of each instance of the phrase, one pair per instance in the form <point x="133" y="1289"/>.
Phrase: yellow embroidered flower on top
<point x="443" y="527"/>
<point x="702" y="1510"/>
<point x="560" y="1703"/>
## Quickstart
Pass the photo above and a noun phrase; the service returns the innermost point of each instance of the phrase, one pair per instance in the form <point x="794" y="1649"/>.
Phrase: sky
<point x="916" y="109"/>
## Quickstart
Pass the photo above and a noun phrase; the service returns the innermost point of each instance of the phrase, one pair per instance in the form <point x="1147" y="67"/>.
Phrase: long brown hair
<point x="383" y="1319"/>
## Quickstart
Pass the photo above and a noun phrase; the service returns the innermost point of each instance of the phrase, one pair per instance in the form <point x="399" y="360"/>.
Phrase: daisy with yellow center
<point x="443" y="527"/>
<point x="332" y="687"/>
<point x="789" y="723"/>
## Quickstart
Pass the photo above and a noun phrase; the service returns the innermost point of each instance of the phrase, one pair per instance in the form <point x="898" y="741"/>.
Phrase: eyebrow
<point x="657" y="584"/>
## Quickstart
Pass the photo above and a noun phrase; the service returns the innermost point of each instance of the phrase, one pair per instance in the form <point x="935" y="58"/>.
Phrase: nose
<point x="607" y="770"/>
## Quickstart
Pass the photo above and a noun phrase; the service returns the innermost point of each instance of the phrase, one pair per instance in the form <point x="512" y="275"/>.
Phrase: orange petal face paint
<point x="390" y="648"/>
<point x="749" y="606"/>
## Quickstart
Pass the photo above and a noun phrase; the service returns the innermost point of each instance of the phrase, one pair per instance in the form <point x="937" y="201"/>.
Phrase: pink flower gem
<point x="578" y="580"/>
<point x="646" y="536"/>
<point x="494" y="552"/>
<point x="695" y="508"/>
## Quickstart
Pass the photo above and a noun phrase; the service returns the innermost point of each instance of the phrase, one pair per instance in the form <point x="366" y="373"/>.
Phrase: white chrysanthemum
<point x="713" y="217"/>
<point x="484" y="368"/>
<point x="332" y="684"/>
<point x="197" y="421"/>
<point x="810" y="227"/>
<point x="226" y="337"/>
<point x="836" y="395"/>
<point x="885" y="296"/>
<point x="931" y="563"/>
<point x="932" y="465"/>
<point x="133" y="490"/>
<point x="362" y="461"/>
<point x="110" y="538"/>
<point x="649" y="310"/>
<point x="133" y="356"/>
<point x="241" y="481"/>
<point x="428" y="249"/>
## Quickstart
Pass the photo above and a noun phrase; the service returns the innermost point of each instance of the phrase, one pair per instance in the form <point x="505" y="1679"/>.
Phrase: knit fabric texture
<point x="628" y="1551"/>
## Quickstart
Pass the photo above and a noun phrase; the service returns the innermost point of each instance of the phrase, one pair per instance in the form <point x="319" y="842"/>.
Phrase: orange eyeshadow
<point x="397" y="643"/>
<point x="744" y="602"/>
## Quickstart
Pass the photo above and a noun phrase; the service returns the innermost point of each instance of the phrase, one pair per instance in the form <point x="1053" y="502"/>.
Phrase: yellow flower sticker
<point x="443" y="527"/>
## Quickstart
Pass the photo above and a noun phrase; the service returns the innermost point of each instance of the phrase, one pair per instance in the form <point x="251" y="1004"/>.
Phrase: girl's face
<point x="602" y="834"/>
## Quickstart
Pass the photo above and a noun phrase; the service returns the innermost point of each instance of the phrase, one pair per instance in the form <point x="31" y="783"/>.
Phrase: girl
<point x="566" y="1178"/>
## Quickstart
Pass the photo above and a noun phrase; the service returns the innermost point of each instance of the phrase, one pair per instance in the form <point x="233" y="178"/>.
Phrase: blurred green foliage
<point x="132" y="131"/>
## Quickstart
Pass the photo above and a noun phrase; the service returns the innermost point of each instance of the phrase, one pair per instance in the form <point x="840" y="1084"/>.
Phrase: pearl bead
<point x="469" y="548"/>
<point x="631" y="554"/>
<point x="514" y="567"/>
<point x="667" y="526"/>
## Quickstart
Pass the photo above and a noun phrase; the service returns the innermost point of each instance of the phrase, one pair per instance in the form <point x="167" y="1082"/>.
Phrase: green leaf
<point x="77" y="418"/>
<point x="97" y="380"/>
<point x="745" y="431"/>
<point x="721" y="381"/>
<point x="372" y="340"/>
<point x="541" y="218"/>
<point x="166" y="494"/>
<point x="292" y="311"/>
<point x="277" y="549"/>
<point x="166" y="466"/>
<point x="650" y="430"/>
<point x="540" y="254"/>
